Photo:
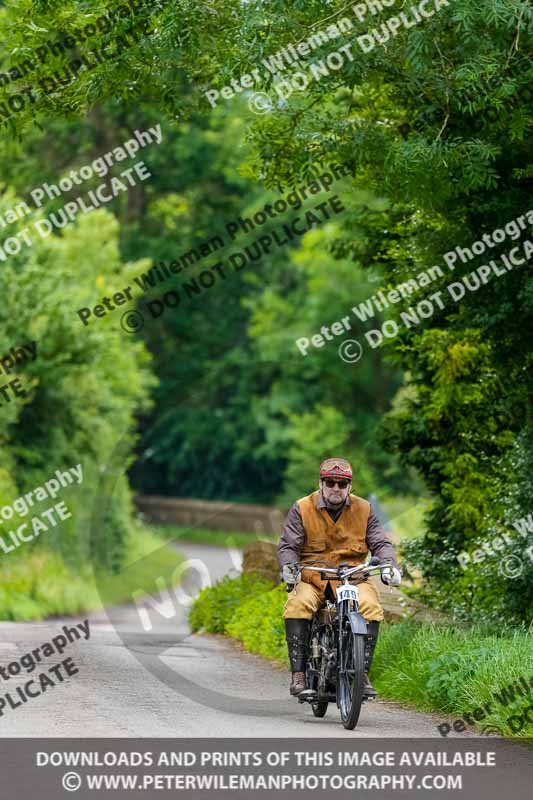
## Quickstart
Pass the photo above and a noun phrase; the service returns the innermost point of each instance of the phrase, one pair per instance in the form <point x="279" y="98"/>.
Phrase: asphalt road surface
<point x="169" y="682"/>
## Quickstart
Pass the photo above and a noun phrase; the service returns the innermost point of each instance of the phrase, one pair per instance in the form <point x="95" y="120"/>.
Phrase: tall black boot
<point x="371" y="640"/>
<point x="297" y="633"/>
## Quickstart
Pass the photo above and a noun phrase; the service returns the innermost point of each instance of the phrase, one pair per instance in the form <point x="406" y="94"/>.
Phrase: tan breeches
<point x="305" y="600"/>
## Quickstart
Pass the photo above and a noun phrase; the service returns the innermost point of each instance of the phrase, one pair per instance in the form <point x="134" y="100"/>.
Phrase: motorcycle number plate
<point x="346" y="593"/>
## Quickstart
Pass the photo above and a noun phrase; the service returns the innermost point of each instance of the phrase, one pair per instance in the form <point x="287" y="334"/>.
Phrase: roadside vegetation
<point x="214" y="538"/>
<point x="215" y="400"/>
<point x="453" y="670"/>
<point x="41" y="583"/>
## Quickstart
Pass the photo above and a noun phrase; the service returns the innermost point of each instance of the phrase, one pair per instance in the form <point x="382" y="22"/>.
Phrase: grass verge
<point x="215" y="538"/>
<point x="37" y="584"/>
<point x="433" y="667"/>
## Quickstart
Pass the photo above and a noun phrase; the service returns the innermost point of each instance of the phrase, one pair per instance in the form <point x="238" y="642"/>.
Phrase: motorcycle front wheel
<point x="350" y="683"/>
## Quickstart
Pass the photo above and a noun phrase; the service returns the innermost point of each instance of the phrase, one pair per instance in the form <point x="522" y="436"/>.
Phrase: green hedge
<point x="434" y="667"/>
<point x="215" y="606"/>
<point x="83" y="390"/>
<point x="38" y="583"/>
<point x="258" y="624"/>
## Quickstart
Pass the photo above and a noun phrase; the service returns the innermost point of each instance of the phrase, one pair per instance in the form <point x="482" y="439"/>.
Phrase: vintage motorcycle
<point x="336" y="661"/>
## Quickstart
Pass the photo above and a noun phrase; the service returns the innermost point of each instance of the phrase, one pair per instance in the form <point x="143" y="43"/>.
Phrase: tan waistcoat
<point x="341" y="542"/>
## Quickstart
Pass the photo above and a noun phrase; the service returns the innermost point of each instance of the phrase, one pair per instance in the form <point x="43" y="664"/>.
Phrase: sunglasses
<point x="330" y="483"/>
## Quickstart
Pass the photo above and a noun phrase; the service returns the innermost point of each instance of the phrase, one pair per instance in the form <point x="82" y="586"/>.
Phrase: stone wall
<point x="216" y="516"/>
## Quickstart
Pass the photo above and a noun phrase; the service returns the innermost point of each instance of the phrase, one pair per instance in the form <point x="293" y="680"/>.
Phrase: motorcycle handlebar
<point x="362" y="569"/>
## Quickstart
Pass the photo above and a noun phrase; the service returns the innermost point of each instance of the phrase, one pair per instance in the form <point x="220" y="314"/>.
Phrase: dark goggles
<point x="330" y="483"/>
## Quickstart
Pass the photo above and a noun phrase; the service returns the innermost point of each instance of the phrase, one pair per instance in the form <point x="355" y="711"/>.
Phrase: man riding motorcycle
<point x="330" y="525"/>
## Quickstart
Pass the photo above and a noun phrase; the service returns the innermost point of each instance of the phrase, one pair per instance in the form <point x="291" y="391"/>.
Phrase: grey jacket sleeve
<point x="292" y="538"/>
<point x="378" y="542"/>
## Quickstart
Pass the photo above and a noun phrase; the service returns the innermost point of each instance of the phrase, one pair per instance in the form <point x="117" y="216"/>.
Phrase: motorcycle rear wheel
<point x="350" y="684"/>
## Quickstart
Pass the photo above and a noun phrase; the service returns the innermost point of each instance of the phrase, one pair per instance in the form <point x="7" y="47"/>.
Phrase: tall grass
<point x="36" y="584"/>
<point x="456" y="670"/>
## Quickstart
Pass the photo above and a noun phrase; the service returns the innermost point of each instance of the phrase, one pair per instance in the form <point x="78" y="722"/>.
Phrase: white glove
<point x="290" y="573"/>
<point x="391" y="576"/>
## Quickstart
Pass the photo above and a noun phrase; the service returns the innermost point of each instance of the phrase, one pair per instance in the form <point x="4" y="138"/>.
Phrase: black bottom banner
<point x="204" y="768"/>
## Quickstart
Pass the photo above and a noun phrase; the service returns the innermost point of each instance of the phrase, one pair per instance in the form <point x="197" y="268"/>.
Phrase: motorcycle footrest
<point x="307" y="696"/>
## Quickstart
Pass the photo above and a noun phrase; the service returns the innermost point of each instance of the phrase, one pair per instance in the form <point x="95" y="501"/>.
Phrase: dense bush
<point x="215" y="606"/>
<point x="84" y="387"/>
<point x="258" y="624"/>
<point x="476" y="497"/>
<point x="35" y="584"/>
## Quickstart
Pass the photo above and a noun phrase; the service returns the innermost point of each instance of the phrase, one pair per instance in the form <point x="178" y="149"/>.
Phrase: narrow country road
<point x="168" y="682"/>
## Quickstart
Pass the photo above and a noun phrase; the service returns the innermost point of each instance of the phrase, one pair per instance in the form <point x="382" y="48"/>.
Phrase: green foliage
<point x="84" y="386"/>
<point x="436" y="127"/>
<point x="203" y="420"/>
<point x="406" y="515"/>
<point x="314" y="436"/>
<point x="448" y="672"/>
<point x="39" y="584"/>
<point x="223" y="407"/>
<point x="439" y="122"/>
<point x="454" y="670"/>
<point x="479" y="476"/>
<point x="35" y="584"/>
<point x="215" y="606"/>
<point x="258" y="624"/>
<point x="318" y="404"/>
<point x="248" y="609"/>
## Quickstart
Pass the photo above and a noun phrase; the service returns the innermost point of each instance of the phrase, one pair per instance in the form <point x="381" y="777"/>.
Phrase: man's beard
<point x="330" y="504"/>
